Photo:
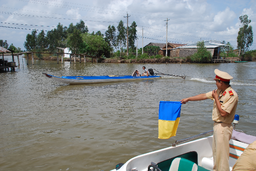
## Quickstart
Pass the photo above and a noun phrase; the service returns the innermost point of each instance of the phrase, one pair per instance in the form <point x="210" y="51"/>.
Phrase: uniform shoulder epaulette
<point x="231" y="93"/>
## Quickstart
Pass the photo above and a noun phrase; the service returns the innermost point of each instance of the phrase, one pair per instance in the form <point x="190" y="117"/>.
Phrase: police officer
<point x="225" y="101"/>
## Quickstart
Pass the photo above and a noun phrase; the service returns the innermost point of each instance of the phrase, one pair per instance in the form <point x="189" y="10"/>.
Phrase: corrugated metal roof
<point x="172" y="46"/>
<point x="2" y="49"/>
<point x="60" y="48"/>
<point x="161" y="45"/>
<point x="207" y="44"/>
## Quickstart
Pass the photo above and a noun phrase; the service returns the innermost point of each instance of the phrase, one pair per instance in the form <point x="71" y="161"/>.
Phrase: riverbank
<point x="118" y="60"/>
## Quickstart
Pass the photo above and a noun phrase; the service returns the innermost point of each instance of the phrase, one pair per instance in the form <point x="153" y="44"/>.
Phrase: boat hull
<point x="98" y="79"/>
<point x="199" y="151"/>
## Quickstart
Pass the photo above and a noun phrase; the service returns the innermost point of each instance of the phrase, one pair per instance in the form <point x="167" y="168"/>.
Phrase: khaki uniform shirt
<point x="247" y="160"/>
<point x="228" y="100"/>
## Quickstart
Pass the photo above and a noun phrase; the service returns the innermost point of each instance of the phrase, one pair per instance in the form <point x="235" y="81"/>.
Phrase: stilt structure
<point x="4" y="64"/>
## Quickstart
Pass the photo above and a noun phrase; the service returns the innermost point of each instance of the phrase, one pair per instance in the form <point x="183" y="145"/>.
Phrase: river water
<point x="46" y="125"/>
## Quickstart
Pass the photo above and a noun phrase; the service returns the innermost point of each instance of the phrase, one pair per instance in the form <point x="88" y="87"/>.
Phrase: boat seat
<point x="181" y="164"/>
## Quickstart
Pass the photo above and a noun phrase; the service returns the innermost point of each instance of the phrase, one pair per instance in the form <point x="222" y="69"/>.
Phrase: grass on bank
<point x="202" y="56"/>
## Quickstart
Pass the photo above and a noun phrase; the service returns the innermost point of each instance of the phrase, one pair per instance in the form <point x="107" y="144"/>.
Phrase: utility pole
<point x="127" y="34"/>
<point x="136" y="48"/>
<point x="142" y="40"/>
<point x="166" y="35"/>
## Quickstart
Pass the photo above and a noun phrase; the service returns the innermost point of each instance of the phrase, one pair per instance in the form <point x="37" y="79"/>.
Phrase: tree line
<point x="79" y="40"/>
<point x="113" y="42"/>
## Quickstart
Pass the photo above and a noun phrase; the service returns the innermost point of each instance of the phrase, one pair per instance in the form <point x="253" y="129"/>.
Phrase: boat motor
<point x="151" y="72"/>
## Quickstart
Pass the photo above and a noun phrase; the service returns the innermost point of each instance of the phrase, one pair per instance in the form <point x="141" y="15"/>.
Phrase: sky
<point x="189" y="21"/>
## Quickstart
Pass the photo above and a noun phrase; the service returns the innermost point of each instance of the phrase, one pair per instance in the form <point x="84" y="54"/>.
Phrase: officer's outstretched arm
<point x="194" y="98"/>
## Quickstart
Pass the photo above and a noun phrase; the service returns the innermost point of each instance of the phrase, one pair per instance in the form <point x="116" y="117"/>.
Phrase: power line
<point x="57" y="18"/>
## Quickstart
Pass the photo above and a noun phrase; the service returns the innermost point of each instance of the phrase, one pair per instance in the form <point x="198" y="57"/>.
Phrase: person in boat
<point x="224" y="108"/>
<point x="247" y="160"/>
<point x="136" y="73"/>
<point x="145" y="71"/>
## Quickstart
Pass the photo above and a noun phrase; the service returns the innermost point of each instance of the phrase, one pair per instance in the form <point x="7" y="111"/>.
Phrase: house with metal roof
<point x="184" y="51"/>
<point x="162" y="47"/>
<point x="170" y="47"/>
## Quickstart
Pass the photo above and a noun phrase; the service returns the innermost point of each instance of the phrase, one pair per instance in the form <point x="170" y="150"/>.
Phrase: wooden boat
<point x="240" y="61"/>
<point x="99" y="79"/>
<point x="196" y="151"/>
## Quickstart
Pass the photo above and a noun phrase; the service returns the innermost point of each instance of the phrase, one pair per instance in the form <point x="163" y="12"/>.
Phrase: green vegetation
<point x="120" y="40"/>
<point x="132" y="35"/>
<point x="79" y="40"/>
<point x="245" y="35"/>
<point x="150" y="52"/>
<point x="95" y="45"/>
<point x="227" y="51"/>
<point x="249" y="55"/>
<point x="202" y="55"/>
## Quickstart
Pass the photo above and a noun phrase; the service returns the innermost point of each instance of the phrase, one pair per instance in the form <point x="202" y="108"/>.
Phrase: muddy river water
<point x="46" y="125"/>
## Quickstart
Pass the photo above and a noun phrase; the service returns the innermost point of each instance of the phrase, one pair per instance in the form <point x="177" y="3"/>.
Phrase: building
<point x="170" y="47"/>
<point x="162" y="47"/>
<point x="184" y="51"/>
<point x="67" y="52"/>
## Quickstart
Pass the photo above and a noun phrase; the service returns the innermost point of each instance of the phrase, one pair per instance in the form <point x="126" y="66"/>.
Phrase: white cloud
<point x="190" y="20"/>
<point x="222" y="20"/>
<point x="74" y="13"/>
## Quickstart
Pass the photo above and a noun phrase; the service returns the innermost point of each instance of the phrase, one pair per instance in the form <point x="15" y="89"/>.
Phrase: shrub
<point x="158" y="56"/>
<point x="151" y="50"/>
<point x="143" y="56"/>
<point x="202" y="55"/>
<point x="249" y="55"/>
<point x="131" y="56"/>
<point x="232" y="54"/>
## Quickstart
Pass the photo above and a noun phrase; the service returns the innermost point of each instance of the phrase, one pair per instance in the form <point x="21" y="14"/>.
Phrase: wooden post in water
<point x="84" y="59"/>
<point x="18" y="58"/>
<point x="27" y="58"/>
<point x="80" y="58"/>
<point x="32" y="58"/>
<point x="75" y="58"/>
<point x="12" y="64"/>
<point x="70" y="58"/>
<point x="12" y="57"/>
<point x="57" y="58"/>
<point x="62" y="56"/>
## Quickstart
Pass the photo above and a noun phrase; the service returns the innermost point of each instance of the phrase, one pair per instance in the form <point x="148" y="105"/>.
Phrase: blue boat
<point x="99" y="79"/>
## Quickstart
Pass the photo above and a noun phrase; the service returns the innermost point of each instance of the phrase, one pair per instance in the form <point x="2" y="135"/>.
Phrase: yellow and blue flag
<point x="169" y="118"/>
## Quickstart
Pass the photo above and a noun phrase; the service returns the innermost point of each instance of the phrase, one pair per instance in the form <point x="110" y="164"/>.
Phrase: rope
<point x="160" y="73"/>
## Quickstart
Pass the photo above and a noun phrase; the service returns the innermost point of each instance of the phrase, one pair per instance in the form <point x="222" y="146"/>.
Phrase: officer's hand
<point x="214" y="94"/>
<point x="184" y="101"/>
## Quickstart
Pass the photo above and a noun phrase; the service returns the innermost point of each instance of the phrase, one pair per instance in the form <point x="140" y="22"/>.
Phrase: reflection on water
<point x="46" y="125"/>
